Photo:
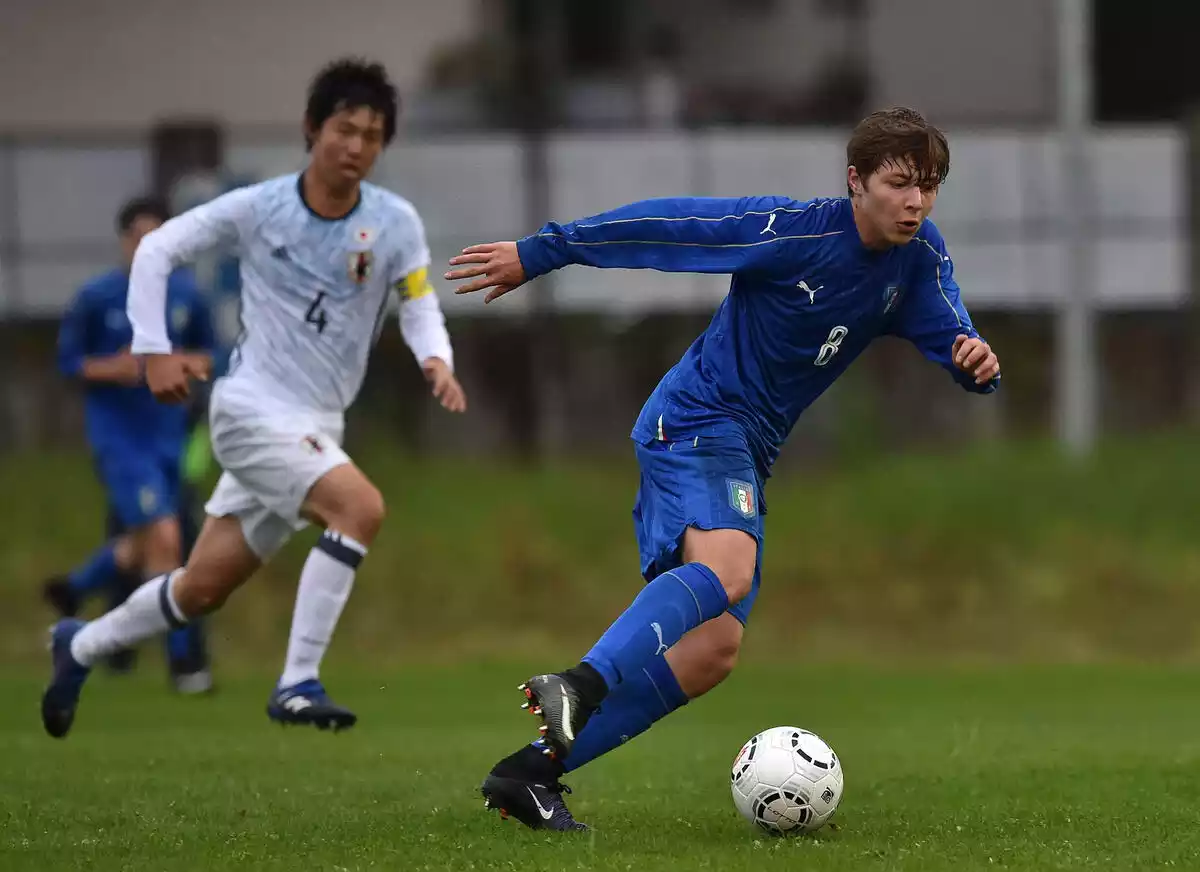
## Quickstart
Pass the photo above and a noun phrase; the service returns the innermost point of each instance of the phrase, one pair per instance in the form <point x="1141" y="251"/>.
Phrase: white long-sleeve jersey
<point x="314" y="291"/>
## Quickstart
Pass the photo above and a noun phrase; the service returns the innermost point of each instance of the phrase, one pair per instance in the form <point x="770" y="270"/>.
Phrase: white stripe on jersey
<point x="312" y="288"/>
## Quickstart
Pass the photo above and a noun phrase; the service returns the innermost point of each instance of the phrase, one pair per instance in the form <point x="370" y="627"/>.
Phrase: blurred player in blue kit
<point x="813" y="284"/>
<point x="138" y="445"/>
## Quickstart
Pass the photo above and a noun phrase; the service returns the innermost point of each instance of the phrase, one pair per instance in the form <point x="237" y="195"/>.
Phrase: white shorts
<point x="272" y="454"/>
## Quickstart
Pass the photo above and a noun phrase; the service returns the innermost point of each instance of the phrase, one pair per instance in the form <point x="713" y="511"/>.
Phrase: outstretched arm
<point x="688" y="234"/>
<point x="932" y="316"/>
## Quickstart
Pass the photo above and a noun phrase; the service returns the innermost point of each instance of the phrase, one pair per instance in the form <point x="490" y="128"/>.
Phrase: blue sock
<point x="179" y="642"/>
<point x="677" y="601"/>
<point x="99" y="572"/>
<point x="641" y="699"/>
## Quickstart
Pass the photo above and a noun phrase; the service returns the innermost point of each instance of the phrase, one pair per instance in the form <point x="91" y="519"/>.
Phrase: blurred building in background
<point x="518" y="111"/>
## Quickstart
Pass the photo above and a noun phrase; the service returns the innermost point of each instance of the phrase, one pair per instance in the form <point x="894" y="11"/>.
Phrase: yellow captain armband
<point x="415" y="285"/>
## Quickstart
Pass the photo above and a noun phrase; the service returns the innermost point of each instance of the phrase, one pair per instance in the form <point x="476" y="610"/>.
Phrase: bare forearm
<point x="121" y="369"/>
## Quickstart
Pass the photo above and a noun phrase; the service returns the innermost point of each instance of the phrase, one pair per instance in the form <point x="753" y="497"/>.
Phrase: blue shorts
<point x="710" y="483"/>
<point x="140" y="487"/>
<point x="189" y="526"/>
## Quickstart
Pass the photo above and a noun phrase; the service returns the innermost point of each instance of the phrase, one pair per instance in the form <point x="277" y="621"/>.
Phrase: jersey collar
<point x="314" y="213"/>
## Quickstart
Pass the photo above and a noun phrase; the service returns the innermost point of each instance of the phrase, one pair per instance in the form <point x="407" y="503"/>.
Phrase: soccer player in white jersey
<point x="322" y="253"/>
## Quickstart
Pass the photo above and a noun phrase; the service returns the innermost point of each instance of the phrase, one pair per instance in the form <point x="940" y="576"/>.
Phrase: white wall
<point x="104" y="64"/>
<point x="1000" y="211"/>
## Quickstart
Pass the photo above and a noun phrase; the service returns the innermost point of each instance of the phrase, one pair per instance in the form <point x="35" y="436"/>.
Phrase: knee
<point x="161" y="545"/>
<point x="737" y="581"/>
<point x="345" y="501"/>
<point x="732" y="555"/>
<point x="127" y="552"/>
<point x="363" y="518"/>
<point x="356" y="511"/>
<point x="735" y="570"/>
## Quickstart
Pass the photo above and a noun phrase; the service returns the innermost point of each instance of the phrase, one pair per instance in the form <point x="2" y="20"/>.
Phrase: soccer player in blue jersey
<point x="322" y="255"/>
<point x="813" y="284"/>
<point x="137" y="443"/>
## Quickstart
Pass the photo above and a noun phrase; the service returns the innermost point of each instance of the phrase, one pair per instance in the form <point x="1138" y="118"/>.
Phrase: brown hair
<point x="899" y="134"/>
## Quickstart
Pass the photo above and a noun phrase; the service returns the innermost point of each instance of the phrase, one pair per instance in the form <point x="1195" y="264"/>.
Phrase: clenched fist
<point x="974" y="356"/>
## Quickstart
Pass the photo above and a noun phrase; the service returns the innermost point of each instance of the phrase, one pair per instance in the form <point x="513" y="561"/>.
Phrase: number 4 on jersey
<point x="315" y="314"/>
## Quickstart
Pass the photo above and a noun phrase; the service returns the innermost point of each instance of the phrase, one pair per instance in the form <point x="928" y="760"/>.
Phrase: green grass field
<point x="1024" y="769"/>
<point x="1003" y="556"/>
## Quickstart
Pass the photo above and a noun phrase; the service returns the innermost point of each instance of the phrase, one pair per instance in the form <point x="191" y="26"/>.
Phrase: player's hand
<point x="494" y="265"/>
<point x="446" y="388"/>
<point x="200" y="362"/>
<point x="169" y="376"/>
<point x="974" y="356"/>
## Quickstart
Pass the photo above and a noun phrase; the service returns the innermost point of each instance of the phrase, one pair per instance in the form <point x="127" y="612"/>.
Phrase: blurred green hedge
<point x="1005" y="552"/>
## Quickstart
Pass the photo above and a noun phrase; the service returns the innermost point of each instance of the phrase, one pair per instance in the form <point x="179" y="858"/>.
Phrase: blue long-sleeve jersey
<point x="806" y="298"/>
<point x="120" y="419"/>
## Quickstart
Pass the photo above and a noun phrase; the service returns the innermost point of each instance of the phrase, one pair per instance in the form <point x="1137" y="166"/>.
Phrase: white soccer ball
<point x="787" y="780"/>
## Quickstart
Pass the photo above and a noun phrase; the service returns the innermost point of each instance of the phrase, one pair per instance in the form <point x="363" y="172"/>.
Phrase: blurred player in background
<point x="186" y="647"/>
<point x="814" y="283"/>
<point x="322" y="253"/>
<point x="137" y="443"/>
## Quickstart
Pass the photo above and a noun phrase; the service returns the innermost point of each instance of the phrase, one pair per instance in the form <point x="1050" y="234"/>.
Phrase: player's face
<point x="346" y="146"/>
<point x="892" y="203"/>
<point x="130" y="239"/>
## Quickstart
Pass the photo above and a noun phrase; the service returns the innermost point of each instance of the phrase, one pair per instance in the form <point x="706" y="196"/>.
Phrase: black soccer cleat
<point x="122" y="661"/>
<point x="59" y="595"/>
<point x="538" y="806"/>
<point x="559" y="704"/>
<point x="307" y="703"/>
<point x="61" y="697"/>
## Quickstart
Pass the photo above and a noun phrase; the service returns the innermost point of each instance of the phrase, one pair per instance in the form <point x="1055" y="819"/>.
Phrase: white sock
<point x="325" y="584"/>
<point x="149" y="611"/>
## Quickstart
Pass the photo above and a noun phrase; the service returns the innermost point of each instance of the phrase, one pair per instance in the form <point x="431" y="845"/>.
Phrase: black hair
<point x="351" y="83"/>
<point x="141" y="207"/>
